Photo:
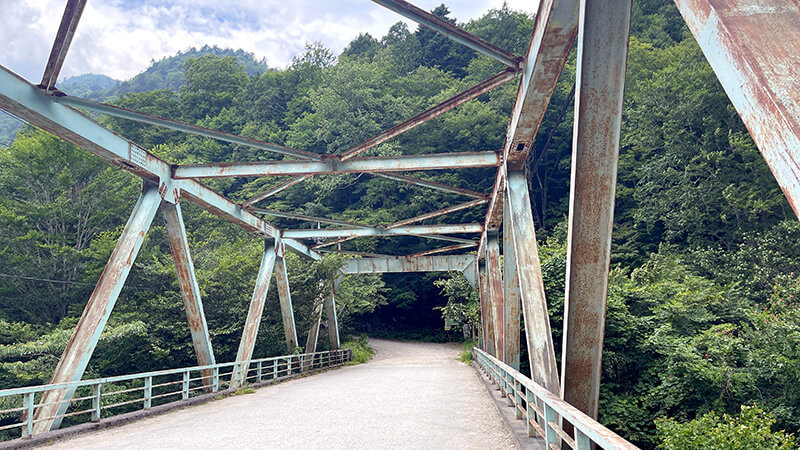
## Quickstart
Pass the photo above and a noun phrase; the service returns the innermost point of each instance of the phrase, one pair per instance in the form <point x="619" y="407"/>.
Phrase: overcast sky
<point x="118" y="38"/>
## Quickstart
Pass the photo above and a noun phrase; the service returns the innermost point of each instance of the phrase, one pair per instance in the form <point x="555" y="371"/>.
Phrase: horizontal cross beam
<point x="306" y="218"/>
<point x="141" y="117"/>
<point x="445" y="28"/>
<point x="332" y="165"/>
<point x="399" y="264"/>
<point x="399" y="231"/>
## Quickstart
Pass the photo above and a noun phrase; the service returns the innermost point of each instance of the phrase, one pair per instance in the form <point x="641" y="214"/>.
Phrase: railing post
<point x="185" y="390"/>
<point x="510" y="382"/>
<point x="550" y="435"/>
<point x="148" y="392"/>
<point x="275" y="369"/>
<point x="215" y="378"/>
<point x="96" y="402"/>
<point x="529" y="414"/>
<point x="258" y="372"/>
<point x="582" y="442"/>
<point x="517" y="399"/>
<point x="27" y="431"/>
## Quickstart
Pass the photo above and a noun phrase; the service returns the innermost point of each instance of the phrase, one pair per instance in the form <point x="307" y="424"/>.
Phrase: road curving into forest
<point x="411" y="395"/>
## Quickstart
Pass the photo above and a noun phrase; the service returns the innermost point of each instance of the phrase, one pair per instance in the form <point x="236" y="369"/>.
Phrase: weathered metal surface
<point x="250" y="330"/>
<point x="431" y="185"/>
<point x="190" y="290"/>
<point x="483" y="296"/>
<point x="64" y="35"/>
<point x="361" y="254"/>
<point x="600" y="81"/>
<point x="471" y="93"/>
<point x="495" y="276"/>
<point x="449" y="248"/>
<point x="271" y="212"/>
<point x="20" y="98"/>
<point x="541" y="353"/>
<point x="332" y="165"/>
<point x="471" y="274"/>
<point x="752" y="45"/>
<point x="552" y="37"/>
<point x="397" y="264"/>
<point x="140" y="117"/>
<point x="285" y="297"/>
<point x="511" y="291"/>
<point x="439" y="25"/>
<point x="332" y="319"/>
<point x="313" y="333"/>
<point x="274" y="190"/>
<point x="84" y="339"/>
<point x="490" y="337"/>
<point x="437" y="213"/>
<point x="399" y="231"/>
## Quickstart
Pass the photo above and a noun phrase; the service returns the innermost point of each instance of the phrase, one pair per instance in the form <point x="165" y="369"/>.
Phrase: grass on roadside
<point x="362" y="352"/>
<point x="466" y="351"/>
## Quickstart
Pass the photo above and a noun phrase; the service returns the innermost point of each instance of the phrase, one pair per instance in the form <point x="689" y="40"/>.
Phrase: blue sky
<point x="118" y="38"/>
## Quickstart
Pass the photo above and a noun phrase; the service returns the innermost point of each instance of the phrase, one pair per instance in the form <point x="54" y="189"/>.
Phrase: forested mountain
<point x="702" y="318"/>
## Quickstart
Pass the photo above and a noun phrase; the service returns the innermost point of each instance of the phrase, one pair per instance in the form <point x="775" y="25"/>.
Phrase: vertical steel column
<point x="190" y="291"/>
<point x="510" y="289"/>
<point x="313" y="332"/>
<point x="487" y="317"/>
<point x="541" y="353"/>
<point x="602" y="52"/>
<point x="250" y="330"/>
<point x="287" y="313"/>
<point x="495" y="274"/>
<point x="332" y="320"/>
<point x="84" y="339"/>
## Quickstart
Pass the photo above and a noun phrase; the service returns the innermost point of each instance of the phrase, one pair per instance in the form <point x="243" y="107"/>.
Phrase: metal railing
<point x="541" y="409"/>
<point x="105" y="397"/>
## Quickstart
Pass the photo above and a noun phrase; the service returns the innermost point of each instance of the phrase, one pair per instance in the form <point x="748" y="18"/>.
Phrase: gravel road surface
<point x="411" y="395"/>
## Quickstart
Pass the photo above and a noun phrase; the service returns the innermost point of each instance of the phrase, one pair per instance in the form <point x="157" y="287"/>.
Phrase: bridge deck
<point x="412" y="395"/>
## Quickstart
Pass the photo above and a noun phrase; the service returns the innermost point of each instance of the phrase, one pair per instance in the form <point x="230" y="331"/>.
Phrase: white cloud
<point x="120" y="37"/>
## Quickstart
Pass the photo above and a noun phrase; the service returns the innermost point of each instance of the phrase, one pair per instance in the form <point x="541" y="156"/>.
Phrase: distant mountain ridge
<point x="166" y="73"/>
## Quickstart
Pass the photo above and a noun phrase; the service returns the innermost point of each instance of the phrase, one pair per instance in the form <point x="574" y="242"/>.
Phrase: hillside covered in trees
<point x="703" y="325"/>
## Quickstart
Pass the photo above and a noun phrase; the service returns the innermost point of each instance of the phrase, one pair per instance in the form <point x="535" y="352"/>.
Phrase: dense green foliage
<point x="702" y="310"/>
<point x="361" y="351"/>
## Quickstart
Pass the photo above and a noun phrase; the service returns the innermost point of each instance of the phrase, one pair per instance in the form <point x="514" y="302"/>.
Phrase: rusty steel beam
<point x="313" y="333"/>
<point x="190" y="290"/>
<point x="274" y="190"/>
<point x="361" y="254"/>
<point x="495" y="276"/>
<point x="250" y="330"/>
<point x="285" y="297"/>
<point x="306" y="218"/>
<point x="511" y="291"/>
<point x="445" y="28"/>
<point x="25" y="101"/>
<point x="431" y="185"/>
<point x="398" y="231"/>
<point x="752" y="47"/>
<point x="489" y="333"/>
<point x="196" y="130"/>
<point x="600" y="81"/>
<point x="541" y="353"/>
<point x="449" y="248"/>
<point x="399" y="264"/>
<point x="332" y="322"/>
<point x="332" y="165"/>
<point x="437" y="213"/>
<point x="458" y="100"/>
<point x="64" y="35"/>
<point x="471" y="273"/>
<point x="553" y="33"/>
<point x="84" y="338"/>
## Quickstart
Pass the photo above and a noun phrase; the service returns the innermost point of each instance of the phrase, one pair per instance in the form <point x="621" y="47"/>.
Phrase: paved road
<point x="411" y="395"/>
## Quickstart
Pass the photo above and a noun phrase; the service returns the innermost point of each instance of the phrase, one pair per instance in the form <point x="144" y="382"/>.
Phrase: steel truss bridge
<point x="750" y="44"/>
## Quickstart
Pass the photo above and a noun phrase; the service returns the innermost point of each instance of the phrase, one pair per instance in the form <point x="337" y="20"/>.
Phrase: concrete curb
<point x="122" y="419"/>
<point x="517" y="428"/>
